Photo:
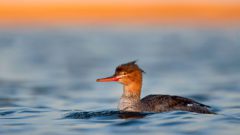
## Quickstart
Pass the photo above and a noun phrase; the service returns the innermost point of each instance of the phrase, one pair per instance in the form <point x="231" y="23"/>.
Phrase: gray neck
<point x="130" y="100"/>
<point x="129" y="104"/>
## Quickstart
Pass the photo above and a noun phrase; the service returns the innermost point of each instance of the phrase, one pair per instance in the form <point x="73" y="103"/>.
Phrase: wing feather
<point x="162" y="103"/>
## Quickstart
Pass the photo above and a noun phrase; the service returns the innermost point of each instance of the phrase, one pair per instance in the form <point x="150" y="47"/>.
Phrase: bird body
<point x="130" y="75"/>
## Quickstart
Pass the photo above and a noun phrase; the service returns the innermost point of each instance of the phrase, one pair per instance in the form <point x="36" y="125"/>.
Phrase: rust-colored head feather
<point x="128" y="68"/>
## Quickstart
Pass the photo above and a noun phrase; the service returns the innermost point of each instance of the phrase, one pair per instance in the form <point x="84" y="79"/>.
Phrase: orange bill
<point x="109" y="79"/>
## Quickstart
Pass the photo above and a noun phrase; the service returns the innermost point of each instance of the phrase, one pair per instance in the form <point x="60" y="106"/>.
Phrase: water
<point x="47" y="79"/>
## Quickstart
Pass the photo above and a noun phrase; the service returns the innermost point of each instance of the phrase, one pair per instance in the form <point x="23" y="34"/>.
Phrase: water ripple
<point x="104" y="115"/>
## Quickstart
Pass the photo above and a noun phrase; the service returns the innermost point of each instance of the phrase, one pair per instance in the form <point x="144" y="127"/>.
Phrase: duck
<point x="130" y="75"/>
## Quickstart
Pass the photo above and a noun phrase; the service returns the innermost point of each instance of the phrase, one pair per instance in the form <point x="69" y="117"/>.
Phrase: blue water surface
<point x="47" y="79"/>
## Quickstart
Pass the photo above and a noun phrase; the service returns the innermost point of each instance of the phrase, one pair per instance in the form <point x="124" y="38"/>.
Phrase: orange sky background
<point x="42" y="12"/>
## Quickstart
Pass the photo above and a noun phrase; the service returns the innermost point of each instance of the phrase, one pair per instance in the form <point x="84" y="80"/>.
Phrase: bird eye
<point x="124" y="73"/>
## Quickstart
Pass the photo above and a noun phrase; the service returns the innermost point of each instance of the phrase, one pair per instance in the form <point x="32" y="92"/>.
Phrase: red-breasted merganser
<point x="130" y="75"/>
